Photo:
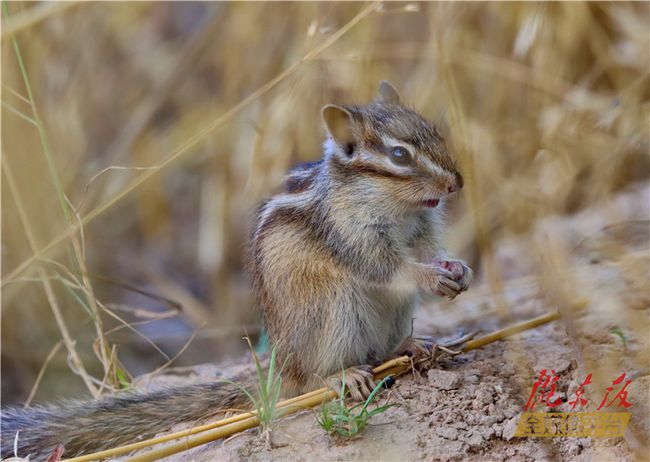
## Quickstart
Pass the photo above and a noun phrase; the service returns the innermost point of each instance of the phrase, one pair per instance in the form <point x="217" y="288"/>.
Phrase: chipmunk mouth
<point x="431" y="203"/>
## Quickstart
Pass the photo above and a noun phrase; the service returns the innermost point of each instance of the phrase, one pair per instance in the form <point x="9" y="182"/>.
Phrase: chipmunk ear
<point x="387" y="93"/>
<point x="339" y="123"/>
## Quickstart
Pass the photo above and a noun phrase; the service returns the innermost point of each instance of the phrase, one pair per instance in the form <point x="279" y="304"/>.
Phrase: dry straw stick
<point x="238" y="423"/>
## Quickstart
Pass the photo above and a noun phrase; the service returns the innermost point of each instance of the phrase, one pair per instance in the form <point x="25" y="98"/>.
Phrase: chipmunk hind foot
<point x="358" y="381"/>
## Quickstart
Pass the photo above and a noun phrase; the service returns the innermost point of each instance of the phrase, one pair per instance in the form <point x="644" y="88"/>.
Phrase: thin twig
<point x="18" y="113"/>
<point x="15" y="93"/>
<point x="55" y="349"/>
<point x="175" y="357"/>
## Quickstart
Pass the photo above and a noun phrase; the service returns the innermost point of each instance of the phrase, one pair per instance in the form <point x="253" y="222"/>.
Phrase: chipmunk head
<point x="394" y="147"/>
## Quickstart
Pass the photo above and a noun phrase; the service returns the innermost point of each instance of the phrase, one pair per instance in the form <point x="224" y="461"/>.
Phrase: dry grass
<point x="154" y="128"/>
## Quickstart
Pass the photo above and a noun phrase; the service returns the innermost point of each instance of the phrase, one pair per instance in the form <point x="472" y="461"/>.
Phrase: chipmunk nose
<point x="457" y="185"/>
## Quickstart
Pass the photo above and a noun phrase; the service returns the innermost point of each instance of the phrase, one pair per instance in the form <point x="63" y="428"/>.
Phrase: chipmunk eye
<point x="400" y="156"/>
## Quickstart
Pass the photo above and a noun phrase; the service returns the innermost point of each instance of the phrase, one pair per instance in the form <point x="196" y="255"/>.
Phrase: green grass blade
<point x="374" y="392"/>
<point x="380" y="409"/>
<point x="270" y="376"/>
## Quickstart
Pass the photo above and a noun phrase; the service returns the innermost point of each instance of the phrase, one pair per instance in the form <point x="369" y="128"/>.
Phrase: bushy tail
<point x="83" y="427"/>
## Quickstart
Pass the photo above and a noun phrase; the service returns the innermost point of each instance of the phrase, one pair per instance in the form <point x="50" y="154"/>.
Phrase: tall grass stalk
<point x="266" y="395"/>
<point x="77" y="241"/>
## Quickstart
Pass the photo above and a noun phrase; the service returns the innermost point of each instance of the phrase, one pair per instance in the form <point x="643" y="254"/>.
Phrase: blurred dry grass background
<point x="164" y="123"/>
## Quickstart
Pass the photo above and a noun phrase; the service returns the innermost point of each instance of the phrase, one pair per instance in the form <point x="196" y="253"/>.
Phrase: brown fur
<point x="339" y="256"/>
<point x="338" y="259"/>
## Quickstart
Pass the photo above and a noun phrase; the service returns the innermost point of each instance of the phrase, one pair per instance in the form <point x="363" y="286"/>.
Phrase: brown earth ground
<point x="469" y="407"/>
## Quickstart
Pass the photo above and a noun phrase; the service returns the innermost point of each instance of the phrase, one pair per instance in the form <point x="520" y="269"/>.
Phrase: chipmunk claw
<point x="359" y="382"/>
<point x="454" y="277"/>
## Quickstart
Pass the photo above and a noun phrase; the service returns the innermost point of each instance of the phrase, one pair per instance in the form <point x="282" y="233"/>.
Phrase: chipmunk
<point x="338" y="260"/>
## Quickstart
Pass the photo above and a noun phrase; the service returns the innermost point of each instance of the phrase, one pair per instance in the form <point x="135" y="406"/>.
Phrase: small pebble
<point x="510" y="428"/>
<point x="447" y="432"/>
<point x="475" y="439"/>
<point x="444" y="380"/>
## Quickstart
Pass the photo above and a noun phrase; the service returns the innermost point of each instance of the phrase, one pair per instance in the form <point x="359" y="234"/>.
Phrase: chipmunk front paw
<point x="358" y="381"/>
<point x="461" y="273"/>
<point x="451" y="277"/>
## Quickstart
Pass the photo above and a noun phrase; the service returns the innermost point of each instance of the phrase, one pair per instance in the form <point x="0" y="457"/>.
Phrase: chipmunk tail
<point x="83" y="427"/>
